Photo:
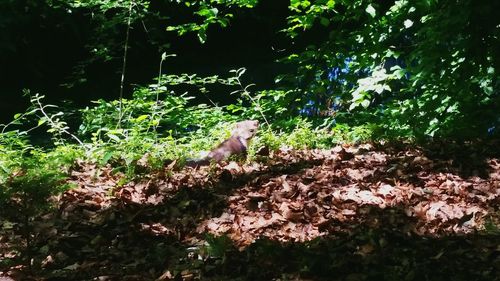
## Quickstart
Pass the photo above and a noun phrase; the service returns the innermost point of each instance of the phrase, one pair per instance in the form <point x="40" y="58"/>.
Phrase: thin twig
<point x="124" y="65"/>
<point x="245" y="92"/>
<point x="55" y="125"/>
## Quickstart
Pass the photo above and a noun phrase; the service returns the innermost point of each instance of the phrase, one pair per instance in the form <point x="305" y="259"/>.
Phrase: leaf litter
<point x="109" y="226"/>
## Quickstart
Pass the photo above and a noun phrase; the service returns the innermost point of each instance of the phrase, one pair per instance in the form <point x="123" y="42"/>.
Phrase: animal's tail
<point x="197" y="162"/>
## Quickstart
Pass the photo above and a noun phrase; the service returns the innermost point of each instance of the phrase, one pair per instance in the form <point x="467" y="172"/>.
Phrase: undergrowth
<point x="141" y="134"/>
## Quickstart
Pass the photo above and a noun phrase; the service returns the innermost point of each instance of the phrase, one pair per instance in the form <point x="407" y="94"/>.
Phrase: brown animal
<point x="236" y="144"/>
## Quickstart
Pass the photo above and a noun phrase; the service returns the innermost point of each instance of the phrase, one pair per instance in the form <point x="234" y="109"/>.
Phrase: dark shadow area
<point x="463" y="158"/>
<point x="371" y="254"/>
<point x="122" y="250"/>
<point x="467" y="158"/>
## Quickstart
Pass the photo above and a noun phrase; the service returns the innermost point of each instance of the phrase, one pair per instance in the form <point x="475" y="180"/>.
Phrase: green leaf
<point x="365" y="103"/>
<point x="408" y="23"/>
<point x="107" y="156"/>
<point x="113" y="137"/>
<point x="214" y="11"/>
<point x="42" y="121"/>
<point x="353" y="105"/>
<point x="141" y="118"/>
<point x="370" y="10"/>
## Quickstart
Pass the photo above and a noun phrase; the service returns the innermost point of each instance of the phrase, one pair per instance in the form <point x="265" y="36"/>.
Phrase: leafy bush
<point x="29" y="176"/>
<point x="155" y="109"/>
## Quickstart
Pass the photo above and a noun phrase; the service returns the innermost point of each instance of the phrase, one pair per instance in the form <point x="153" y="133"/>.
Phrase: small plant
<point x="57" y="127"/>
<point x="218" y="246"/>
<point x="29" y="175"/>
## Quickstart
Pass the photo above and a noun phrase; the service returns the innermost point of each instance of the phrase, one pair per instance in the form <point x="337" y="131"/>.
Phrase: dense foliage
<point x="418" y="67"/>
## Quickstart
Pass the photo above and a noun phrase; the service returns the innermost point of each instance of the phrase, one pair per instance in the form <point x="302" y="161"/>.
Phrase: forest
<point x="249" y="140"/>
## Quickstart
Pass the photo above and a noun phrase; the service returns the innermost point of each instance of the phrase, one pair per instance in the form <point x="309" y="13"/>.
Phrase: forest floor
<point x="365" y="212"/>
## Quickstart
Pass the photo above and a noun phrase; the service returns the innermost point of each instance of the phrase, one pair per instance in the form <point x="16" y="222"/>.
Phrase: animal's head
<point x="245" y="129"/>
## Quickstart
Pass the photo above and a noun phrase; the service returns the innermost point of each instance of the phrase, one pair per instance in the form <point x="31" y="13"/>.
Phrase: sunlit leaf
<point x="141" y="118"/>
<point x="408" y="23"/>
<point x="113" y="137"/>
<point x="371" y="10"/>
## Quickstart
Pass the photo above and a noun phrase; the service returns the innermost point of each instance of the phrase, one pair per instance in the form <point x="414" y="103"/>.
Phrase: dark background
<point x="43" y="52"/>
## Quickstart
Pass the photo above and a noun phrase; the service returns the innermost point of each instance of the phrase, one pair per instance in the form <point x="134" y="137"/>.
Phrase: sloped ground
<point x="367" y="212"/>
